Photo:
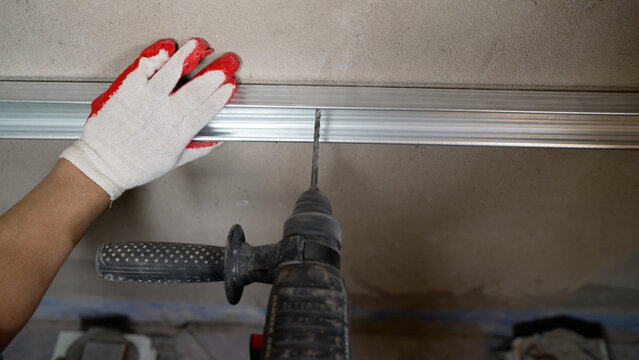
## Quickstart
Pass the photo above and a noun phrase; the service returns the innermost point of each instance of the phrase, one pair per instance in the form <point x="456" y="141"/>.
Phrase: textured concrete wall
<point x="424" y="227"/>
<point x="496" y="43"/>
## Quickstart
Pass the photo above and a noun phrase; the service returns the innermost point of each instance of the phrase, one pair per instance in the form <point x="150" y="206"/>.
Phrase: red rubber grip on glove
<point x="228" y="63"/>
<point x="201" y="50"/>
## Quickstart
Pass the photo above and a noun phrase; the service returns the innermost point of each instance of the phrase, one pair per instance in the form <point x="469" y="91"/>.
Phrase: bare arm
<point x="36" y="236"/>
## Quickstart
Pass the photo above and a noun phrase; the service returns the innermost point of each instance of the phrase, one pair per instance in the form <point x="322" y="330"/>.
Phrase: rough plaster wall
<point x="496" y="43"/>
<point x="424" y="227"/>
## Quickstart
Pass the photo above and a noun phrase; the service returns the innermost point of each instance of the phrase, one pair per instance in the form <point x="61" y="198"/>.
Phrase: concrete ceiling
<point x="449" y="43"/>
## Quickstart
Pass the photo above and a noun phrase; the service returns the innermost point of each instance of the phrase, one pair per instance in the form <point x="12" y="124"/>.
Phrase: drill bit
<point x="314" y="166"/>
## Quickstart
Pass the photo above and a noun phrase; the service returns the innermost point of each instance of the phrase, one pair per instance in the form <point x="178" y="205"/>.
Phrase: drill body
<point x="308" y="314"/>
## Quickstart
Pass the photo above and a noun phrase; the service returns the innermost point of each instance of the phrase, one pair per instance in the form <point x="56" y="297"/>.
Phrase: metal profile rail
<point x="57" y="110"/>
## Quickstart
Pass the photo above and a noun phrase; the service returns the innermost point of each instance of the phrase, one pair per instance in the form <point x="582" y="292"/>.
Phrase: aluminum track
<point x="57" y="110"/>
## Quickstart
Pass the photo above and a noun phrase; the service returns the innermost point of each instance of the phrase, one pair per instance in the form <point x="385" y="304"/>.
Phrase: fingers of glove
<point x="228" y="63"/>
<point x="150" y="60"/>
<point x="197" y="149"/>
<point x="206" y="82"/>
<point x="182" y="62"/>
<point x="155" y="56"/>
<point x="198" y="118"/>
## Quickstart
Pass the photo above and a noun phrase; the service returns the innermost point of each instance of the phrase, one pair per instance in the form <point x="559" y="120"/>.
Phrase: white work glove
<point x="141" y="127"/>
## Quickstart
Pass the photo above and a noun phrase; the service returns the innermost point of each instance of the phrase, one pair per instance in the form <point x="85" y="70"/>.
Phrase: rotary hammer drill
<point x="308" y="315"/>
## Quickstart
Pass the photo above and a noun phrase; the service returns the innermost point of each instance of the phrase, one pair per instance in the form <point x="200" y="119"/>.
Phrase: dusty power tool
<point x="308" y="316"/>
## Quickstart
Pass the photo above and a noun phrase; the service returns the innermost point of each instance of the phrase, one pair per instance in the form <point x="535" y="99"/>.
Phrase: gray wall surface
<point x="424" y="227"/>
<point x="450" y="43"/>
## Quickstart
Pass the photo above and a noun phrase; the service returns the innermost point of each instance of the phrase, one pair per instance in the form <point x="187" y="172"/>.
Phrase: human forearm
<point x="36" y="236"/>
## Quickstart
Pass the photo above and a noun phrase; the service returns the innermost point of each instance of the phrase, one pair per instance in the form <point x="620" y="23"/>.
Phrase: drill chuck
<point x="312" y="218"/>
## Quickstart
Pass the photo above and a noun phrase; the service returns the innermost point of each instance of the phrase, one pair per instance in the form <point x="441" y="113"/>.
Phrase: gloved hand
<point x="141" y="127"/>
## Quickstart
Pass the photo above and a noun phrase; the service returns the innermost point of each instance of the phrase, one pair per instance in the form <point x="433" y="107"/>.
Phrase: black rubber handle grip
<point x="160" y="262"/>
